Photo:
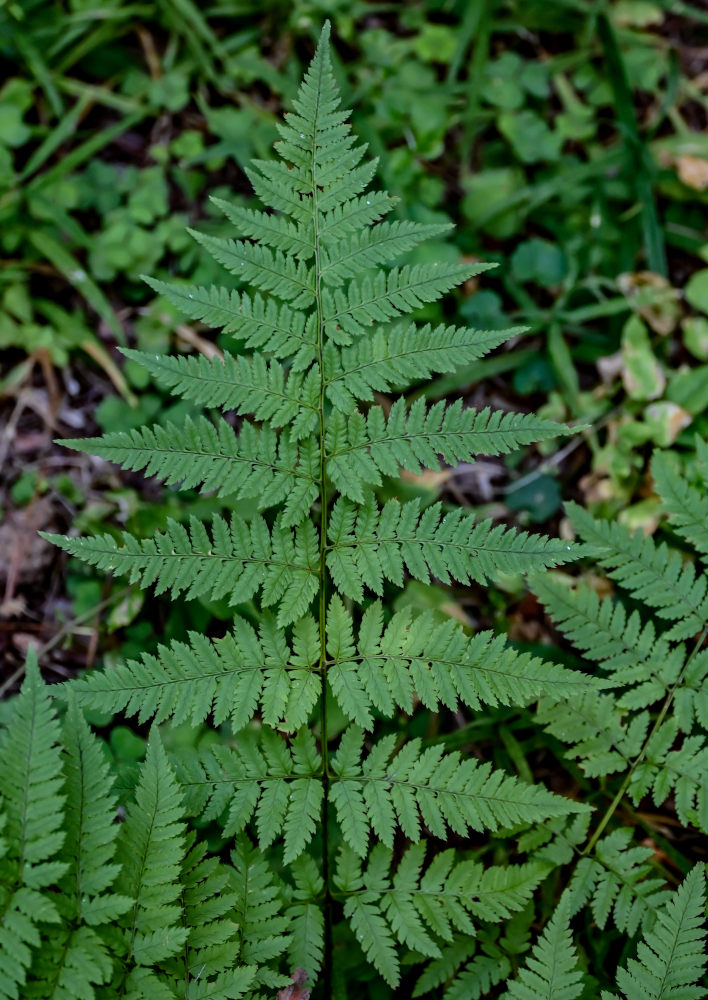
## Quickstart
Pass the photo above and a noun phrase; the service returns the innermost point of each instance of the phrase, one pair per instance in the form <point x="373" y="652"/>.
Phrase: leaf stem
<point x="327" y="961"/>
<point x="638" y="759"/>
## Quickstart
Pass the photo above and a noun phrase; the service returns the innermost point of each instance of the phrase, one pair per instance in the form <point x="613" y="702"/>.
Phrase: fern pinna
<point x="354" y="818"/>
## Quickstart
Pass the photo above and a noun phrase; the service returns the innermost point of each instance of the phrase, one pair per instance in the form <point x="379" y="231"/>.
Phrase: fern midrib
<point x="200" y="555"/>
<point x="434" y="349"/>
<point x="436" y="434"/>
<point x="139" y="883"/>
<point x="442" y="789"/>
<point x="327" y="964"/>
<point x="220" y="456"/>
<point x="231" y="383"/>
<point x="201" y="675"/>
<point x="411" y="285"/>
<point x="60" y="966"/>
<point x="352" y="542"/>
<point x="420" y="658"/>
<point x="79" y="832"/>
<point x="26" y="790"/>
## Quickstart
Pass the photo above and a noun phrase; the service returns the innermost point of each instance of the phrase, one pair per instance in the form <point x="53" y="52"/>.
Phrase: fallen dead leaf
<point x="653" y="298"/>
<point x="204" y="346"/>
<point x="298" y="990"/>
<point x="693" y="171"/>
<point x="26" y="554"/>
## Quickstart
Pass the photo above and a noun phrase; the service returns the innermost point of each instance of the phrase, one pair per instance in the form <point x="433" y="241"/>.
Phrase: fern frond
<point x="254" y="463"/>
<point x="368" y="248"/>
<point x="418" y="906"/>
<point x="235" y="561"/>
<point x="263" y="929"/>
<point x="271" y="230"/>
<point x="389" y="295"/>
<point x="32" y="807"/>
<point x="261" y="323"/>
<point x="652" y="573"/>
<point x="551" y="972"/>
<point x="617" y="882"/>
<point x="672" y="957"/>
<point x="277" y="784"/>
<point x="270" y="271"/>
<point x="594" y="726"/>
<point x="208" y="965"/>
<point x="389" y="790"/>
<point x="253" y="386"/>
<point x="306" y="948"/>
<point x="682" y="772"/>
<point x="322" y="321"/>
<point x="431" y="657"/>
<point x="401" y="355"/>
<point x="360" y="450"/>
<point x="355" y="214"/>
<point x="229" y="678"/>
<point x="471" y="982"/>
<point x="91" y="829"/>
<point x="686" y="506"/>
<point x="629" y="650"/>
<point x="71" y="962"/>
<point x="368" y="545"/>
<point x="150" y="848"/>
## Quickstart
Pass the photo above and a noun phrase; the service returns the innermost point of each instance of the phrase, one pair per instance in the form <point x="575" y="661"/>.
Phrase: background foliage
<point x="564" y="138"/>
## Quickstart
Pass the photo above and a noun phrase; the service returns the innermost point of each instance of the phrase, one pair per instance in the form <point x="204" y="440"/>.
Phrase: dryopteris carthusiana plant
<point x="324" y="331"/>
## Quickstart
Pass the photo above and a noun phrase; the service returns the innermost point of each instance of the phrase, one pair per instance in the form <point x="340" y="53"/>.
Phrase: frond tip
<point x="552" y="970"/>
<point x="672" y="958"/>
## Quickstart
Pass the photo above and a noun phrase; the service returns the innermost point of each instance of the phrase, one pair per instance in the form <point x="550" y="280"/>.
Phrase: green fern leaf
<point x="273" y="230"/>
<point x="369" y="248"/>
<point x="229" y="678"/>
<point x="551" y="972"/>
<point x="32" y="807"/>
<point x="686" y="506"/>
<point x="323" y="326"/>
<point x="262" y="926"/>
<point x="629" y="650"/>
<point x="276" y="783"/>
<point x="236" y="561"/>
<point x="431" y="657"/>
<point x="208" y="966"/>
<point x="150" y="849"/>
<point x="361" y="450"/>
<point x="442" y="897"/>
<point x="368" y="545"/>
<point x="261" y="323"/>
<point x="267" y="270"/>
<point x="253" y="386"/>
<point x="91" y="830"/>
<point x="652" y="573"/>
<point x="254" y="463"/>
<point x="616" y="882"/>
<point x="389" y="295"/>
<point x="400" y="356"/>
<point x="672" y="957"/>
<point x="444" y="790"/>
<point x="306" y="949"/>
